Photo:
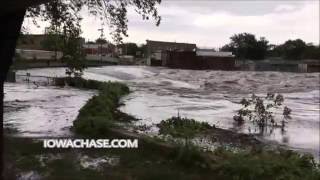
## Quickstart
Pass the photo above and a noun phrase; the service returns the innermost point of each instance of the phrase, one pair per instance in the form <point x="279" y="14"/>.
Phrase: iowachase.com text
<point x="90" y="143"/>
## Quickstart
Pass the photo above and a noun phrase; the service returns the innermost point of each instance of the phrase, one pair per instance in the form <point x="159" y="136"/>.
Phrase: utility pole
<point x="101" y="37"/>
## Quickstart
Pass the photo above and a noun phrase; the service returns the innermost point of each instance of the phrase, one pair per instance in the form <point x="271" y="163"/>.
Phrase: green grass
<point x="184" y="163"/>
<point x="100" y="112"/>
<point x="265" y="165"/>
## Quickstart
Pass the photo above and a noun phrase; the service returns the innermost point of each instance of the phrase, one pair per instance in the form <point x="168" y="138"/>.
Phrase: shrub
<point x="261" y="112"/>
<point x="182" y="127"/>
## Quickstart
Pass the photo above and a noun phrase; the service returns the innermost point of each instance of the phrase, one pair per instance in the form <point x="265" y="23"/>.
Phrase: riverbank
<point x="26" y="158"/>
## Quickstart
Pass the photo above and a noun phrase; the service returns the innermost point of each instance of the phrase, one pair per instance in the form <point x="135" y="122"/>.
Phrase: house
<point x="156" y="51"/>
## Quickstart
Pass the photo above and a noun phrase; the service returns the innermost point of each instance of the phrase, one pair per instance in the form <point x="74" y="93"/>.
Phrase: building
<point x="31" y="41"/>
<point x="156" y="51"/>
<point x="200" y="61"/>
<point x="35" y="41"/>
<point x="99" y="49"/>
<point x="28" y="54"/>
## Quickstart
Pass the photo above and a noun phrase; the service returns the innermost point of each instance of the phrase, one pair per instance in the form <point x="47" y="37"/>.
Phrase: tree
<point x="101" y="41"/>
<point x="114" y="13"/>
<point x="293" y="49"/>
<point x="90" y="42"/>
<point x="53" y="41"/>
<point x="129" y="48"/>
<point x="64" y="16"/>
<point x="311" y="52"/>
<point x="72" y="51"/>
<point x="246" y="46"/>
<point x="13" y="12"/>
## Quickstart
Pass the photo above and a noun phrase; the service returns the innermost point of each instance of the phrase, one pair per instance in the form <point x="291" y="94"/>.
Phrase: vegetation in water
<point x="261" y="111"/>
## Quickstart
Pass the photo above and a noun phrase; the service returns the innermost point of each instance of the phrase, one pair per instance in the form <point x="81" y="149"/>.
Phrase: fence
<point x="37" y="80"/>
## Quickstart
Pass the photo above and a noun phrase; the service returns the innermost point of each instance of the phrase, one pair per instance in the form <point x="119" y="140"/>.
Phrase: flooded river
<point x="42" y="111"/>
<point x="159" y="93"/>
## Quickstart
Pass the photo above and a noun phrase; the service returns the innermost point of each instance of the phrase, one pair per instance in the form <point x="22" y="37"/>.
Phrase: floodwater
<point x="212" y="96"/>
<point x="42" y="111"/>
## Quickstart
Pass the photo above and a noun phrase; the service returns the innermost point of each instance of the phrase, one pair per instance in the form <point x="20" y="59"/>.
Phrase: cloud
<point x="284" y="8"/>
<point x="211" y="23"/>
<point x="281" y="21"/>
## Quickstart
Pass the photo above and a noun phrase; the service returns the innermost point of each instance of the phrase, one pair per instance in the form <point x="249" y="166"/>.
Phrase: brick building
<point x="156" y="50"/>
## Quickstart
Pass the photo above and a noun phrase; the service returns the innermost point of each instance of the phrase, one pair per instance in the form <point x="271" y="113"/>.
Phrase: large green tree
<point x="293" y="49"/>
<point x="246" y="46"/>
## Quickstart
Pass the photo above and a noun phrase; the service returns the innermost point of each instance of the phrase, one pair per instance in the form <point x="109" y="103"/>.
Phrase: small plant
<point x="261" y="110"/>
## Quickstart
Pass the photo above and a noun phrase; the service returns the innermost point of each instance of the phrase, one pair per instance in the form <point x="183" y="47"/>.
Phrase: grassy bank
<point x="24" y="155"/>
<point x="100" y="113"/>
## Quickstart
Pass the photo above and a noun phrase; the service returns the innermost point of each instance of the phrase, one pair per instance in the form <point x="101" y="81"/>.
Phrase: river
<point x="159" y="93"/>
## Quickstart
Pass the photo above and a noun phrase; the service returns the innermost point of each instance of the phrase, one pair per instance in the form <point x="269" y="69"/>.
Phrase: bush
<point x="182" y="127"/>
<point x="261" y="112"/>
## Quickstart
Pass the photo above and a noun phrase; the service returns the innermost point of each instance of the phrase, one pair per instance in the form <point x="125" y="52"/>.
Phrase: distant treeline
<point x="247" y="46"/>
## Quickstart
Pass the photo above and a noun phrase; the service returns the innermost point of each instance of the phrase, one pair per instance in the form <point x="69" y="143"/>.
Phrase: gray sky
<point x="211" y="23"/>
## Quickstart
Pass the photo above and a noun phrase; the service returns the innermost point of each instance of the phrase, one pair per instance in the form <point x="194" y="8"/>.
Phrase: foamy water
<point x="42" y="111"/>
<point x="212" y="96"/>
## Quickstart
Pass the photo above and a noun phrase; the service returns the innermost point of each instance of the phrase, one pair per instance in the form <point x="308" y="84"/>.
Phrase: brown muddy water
<point x="159" y="93"/>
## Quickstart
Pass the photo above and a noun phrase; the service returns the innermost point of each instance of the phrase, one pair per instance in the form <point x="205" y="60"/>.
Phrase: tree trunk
<point x="10" y="25"/>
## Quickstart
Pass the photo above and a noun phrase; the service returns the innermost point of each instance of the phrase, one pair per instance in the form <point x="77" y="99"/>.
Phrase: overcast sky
<point x="211" y="23"/>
